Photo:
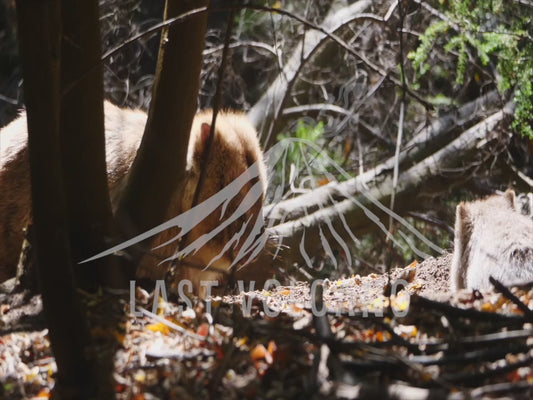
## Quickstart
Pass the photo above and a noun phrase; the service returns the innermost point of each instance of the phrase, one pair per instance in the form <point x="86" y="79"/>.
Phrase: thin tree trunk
<point x="159" y="166"/>
<point x="82" y="139"/>
<point x="39" y="25"/>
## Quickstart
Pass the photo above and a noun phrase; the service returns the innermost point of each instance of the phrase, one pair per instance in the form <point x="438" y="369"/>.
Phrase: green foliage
<point x="523" y="95"/>
<point x="441" y="100"/>
<point x="306" y="131"/>
<point x="420" y="56"/>
<point x="496" y="32"/>
<point x="299" y="150"/>
<point x="307" y="153"/>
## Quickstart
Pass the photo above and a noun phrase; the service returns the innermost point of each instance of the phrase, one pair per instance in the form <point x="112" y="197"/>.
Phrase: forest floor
<point x="421" y="342"/>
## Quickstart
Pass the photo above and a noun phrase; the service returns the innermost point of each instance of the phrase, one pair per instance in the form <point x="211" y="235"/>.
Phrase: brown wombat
<point x="235" y="149"/>
<point x="493" y="239"/>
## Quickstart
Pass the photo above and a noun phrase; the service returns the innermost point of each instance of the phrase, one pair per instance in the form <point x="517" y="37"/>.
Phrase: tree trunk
<point x="39" y="26"/>
<point x="159" y="166"/>
<point x="83" y="141"/>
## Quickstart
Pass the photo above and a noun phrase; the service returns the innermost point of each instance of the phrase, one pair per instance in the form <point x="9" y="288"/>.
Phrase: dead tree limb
<point x="342" y="211"/>
<point x="270" y="104"/>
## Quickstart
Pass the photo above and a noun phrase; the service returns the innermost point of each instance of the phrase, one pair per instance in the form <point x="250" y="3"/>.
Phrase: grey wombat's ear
<point x="463" y="223"/>
<point x="509" y="196"/>
<point x="462" y="212"/>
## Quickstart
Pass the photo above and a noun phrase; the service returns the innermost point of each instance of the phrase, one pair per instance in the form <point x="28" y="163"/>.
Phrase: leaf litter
<point x="361" y="337"/>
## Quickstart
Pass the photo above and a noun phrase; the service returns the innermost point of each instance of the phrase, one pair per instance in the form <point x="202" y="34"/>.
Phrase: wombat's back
<point x="235" y="150"/>
<point x="124" y="129"/>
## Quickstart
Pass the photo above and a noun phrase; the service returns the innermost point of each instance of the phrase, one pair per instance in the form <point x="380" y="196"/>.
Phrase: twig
<point x="528" y="313"/>
<point x="473" y="314"/>
<point x="473" y="378"/>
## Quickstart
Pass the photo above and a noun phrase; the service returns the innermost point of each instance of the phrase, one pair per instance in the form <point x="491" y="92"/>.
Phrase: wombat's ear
<point x="462" y="220"/>
<point x="462" y="212"/>
<point x="509" y="197"/>
<point x="206" y="131"/>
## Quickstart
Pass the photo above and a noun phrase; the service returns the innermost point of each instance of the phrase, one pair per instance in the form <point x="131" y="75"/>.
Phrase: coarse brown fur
<point x="235" y="149"/>
<point x="493" y="239"/>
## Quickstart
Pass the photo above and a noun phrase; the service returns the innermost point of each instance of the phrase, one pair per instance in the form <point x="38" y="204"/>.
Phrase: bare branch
<point x="358" y="202"/>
